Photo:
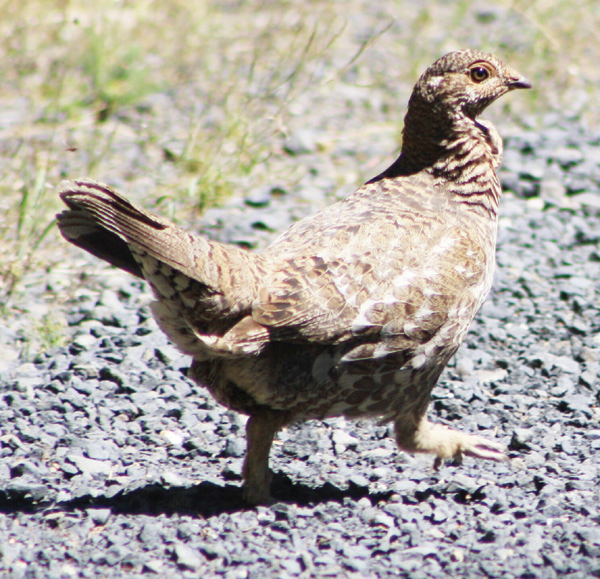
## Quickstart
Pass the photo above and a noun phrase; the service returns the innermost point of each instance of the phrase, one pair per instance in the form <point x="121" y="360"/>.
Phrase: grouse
<point x="352" y="311"/>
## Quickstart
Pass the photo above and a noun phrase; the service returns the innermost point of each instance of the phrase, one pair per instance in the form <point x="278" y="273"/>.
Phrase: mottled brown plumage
<point x="353" y="311"/>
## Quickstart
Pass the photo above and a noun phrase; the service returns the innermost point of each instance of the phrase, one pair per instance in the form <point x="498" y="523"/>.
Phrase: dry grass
<point x="183" y="102"/>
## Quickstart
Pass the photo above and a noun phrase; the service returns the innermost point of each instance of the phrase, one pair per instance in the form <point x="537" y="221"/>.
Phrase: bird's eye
<point x="479" y="73"/>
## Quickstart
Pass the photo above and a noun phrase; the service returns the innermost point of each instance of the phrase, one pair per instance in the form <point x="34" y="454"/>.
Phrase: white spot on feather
<point x="405" y="278"/>
<point x="445" y="244"/>
<point x="382" y="350"/>
<point x="424" y="312"/>
<point x="430" y="273"/>
<point x="434" y="81"/>
<point x="419" y="361"/>
<point x="409" y="327"/>
<point x="359" y="323"/>
<point x="430" y="291"/>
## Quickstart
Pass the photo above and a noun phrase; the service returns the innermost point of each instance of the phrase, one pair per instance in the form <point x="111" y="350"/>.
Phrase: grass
<point x="186" y="102"/>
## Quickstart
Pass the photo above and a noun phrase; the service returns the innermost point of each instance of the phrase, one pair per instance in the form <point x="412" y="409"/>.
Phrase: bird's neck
<point x="467" y="166"/>
<point x="459" y="153"/>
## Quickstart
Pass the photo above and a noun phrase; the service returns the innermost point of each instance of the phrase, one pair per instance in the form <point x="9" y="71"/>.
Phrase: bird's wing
<point x="313" y="299"/>
<point x="380" y="272"/>
<point x="392" y="296"/>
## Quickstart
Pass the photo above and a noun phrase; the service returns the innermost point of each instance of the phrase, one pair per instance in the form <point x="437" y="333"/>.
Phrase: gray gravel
<point x="113" y="463"/>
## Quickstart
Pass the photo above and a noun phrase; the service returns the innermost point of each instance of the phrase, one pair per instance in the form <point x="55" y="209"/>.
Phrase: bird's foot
<point x="446" y="443"/>
<point x="457" y="445"/>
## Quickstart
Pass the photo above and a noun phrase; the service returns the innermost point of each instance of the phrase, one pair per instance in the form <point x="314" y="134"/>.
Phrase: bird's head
<point x="447" y="98"/>
<point x="465" y="82"/>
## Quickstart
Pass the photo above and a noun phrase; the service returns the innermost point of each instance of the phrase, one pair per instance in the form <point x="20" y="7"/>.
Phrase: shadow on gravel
<point x="206" y="499"/>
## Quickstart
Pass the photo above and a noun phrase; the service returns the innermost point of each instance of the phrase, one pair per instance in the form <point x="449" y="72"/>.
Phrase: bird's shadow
<point x="206" y="499"/>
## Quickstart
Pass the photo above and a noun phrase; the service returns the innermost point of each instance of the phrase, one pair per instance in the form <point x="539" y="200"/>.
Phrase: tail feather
<point x="77" y="227"/>
<point x="224" y="277"/>
<point x="108" y="226"/>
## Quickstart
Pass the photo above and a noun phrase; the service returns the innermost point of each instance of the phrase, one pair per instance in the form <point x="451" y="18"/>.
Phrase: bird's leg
<point x="260" y="431"/>
<point x="445" y="443"/>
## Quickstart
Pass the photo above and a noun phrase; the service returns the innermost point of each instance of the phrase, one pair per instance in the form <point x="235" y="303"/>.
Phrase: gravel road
<point x="114" y="464"/>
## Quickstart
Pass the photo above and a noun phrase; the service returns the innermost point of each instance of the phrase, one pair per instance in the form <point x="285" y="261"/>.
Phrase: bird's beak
<point x="521" y="82"/>
<point x="515" y="80"/>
